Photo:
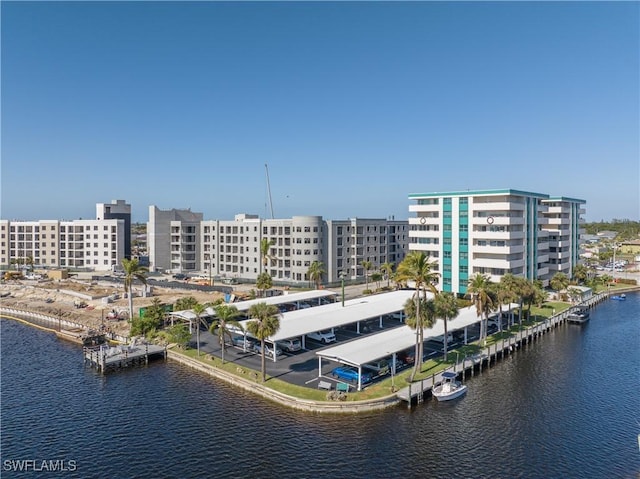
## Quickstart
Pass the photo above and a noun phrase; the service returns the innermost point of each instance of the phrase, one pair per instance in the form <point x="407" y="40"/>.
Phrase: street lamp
<point x="341" y="275"/>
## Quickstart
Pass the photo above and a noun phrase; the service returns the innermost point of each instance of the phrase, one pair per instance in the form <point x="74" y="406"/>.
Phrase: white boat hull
<point x="454" y="391"/>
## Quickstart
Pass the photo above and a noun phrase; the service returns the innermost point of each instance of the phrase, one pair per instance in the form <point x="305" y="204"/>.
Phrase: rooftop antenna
<point x="269" y="190"/>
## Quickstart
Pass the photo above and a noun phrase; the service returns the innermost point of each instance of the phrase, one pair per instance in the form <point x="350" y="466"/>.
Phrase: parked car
<point x="380" y="368"/>
<point x="406" y="357"/>
<point x="268" y="350"/>
<point x="347" y="373"/>
<point x="242" y="342"/>
<point x="290" y="345"/>
<point x="325" y="336"/>
<point x="440" y="338"/>
<point x="179" y="276"/>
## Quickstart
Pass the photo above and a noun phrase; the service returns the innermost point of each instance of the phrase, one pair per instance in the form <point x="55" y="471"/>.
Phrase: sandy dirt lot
<point x="59" y="299"/>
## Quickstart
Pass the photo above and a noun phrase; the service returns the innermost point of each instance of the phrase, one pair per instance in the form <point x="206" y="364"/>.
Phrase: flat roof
<point x="245" y="305"/>
<point x="286" y="298"/>
<point x="303" y="321"/>
<point x="380" y="345"/>
<point x="479" y="193"/>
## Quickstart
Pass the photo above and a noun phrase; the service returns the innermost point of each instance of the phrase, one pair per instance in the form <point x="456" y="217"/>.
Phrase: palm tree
<point x="198" y="309"/>
<point x="264" y="282"/>
<point x="580" y="273"/>
<point x="367" y="265"/>
<point x="387" y="269"/>
<point x="505" y="293"/>
<point x="420" y="313"/>
<point x="265" y="252"/>
<point x="315" y="273"/>
<point x="376" y="277"/>
<point x="559" y="282"/>
<point x="416" y="267"/>
<point x="446" y="307"/>
<point x="266" y="322"/>
<point x="132" y="271"/>
<point x="225" y="315"/>
<point x="479" y="289"/>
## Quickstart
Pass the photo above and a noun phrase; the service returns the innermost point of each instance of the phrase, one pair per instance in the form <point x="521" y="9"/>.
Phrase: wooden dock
<point x="110" y="358"/>
<point x="469" y="365"/>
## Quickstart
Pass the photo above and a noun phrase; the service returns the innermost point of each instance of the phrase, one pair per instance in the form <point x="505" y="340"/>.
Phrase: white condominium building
<point x="564" y="228"/>
<point x="231" y="248"/>
<point x="495" y="232"/>
<point x="86" y="244"/>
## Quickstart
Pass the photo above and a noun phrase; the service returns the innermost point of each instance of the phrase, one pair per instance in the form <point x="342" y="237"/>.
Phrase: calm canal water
<point x="566" y="407"/>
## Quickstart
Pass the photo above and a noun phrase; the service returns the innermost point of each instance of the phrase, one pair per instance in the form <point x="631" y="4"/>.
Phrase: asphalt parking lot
<point x="301" y="368"/>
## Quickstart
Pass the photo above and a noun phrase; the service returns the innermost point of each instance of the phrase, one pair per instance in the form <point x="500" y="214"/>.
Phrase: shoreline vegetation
<point x="380" y="395"/>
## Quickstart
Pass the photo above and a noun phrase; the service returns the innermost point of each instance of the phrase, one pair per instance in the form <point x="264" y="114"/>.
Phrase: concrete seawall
<point x="289" y="401"/>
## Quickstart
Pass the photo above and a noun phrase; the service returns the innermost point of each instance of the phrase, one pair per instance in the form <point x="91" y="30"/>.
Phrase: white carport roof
<point x="286" y="298"/>
<point x="298" y="323"/>
<point x="376" y="346"/>
<point x="245" y="305"/>
<point x="186" y="314"/>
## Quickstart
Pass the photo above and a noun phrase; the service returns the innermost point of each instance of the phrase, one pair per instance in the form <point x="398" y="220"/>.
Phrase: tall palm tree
<point x="225" y="314"/>
<point x="265" y="252"/>
<point x="504" y="292"/>
<point x="366" y="265"/>
<point x="479" y="289"/>
<point x="376" y="278"/>
<point x="198" y="309"/>
<point x="446" y="307"/>
<point x="416" y="267"/>
<point x="387" y="269"/>
<point x="132" y="271"/>
<point x="315" y="273"/>
<point x="266" y="322"/>
<point x="420" y="314"/>
<point x="264" y="282"/>
<point x="580" y="273"/>
<point x="558" y="282"/>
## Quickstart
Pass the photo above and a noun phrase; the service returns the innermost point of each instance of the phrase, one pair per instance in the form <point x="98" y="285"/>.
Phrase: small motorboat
<point x="449" y="388"/>
<point x="619" y="297"/>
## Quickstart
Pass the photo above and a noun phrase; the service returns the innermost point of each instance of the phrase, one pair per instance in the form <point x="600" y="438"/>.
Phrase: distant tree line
<point x="626" y="229"/>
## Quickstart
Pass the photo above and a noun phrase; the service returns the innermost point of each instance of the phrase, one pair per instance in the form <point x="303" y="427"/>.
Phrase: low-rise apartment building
<point x="84" y="244"/>
<point x="231" y="248"/>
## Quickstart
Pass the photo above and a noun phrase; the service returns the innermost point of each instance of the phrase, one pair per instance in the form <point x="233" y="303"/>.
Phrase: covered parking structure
<point x="309" y="297"/>
<point x="371" y="348"/>
<point x="296" y="324"/>
<point x="316" y="297"/>
<point x="187" y="316"/>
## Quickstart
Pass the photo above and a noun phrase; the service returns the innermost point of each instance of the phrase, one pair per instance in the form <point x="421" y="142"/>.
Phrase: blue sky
<point x="353" y="106"/>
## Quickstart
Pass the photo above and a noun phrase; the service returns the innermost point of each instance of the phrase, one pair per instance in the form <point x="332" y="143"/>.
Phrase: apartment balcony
<point x="424" y="234"/>
<point x="423" y="208"/>
<point x="497" y="220"/>
<point x="428" y="248"/>
<point x="498" y="206"/>
<point x="543" y="271"/>
<point x="498" y="235"/>
<point x="558" y="221"/>
<point x="497" y="263"/>
<point x="503" y="250"/>
<point x="543" y="258"/>
<point x="424" y="220"/>
<point x="543" y="246"/>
